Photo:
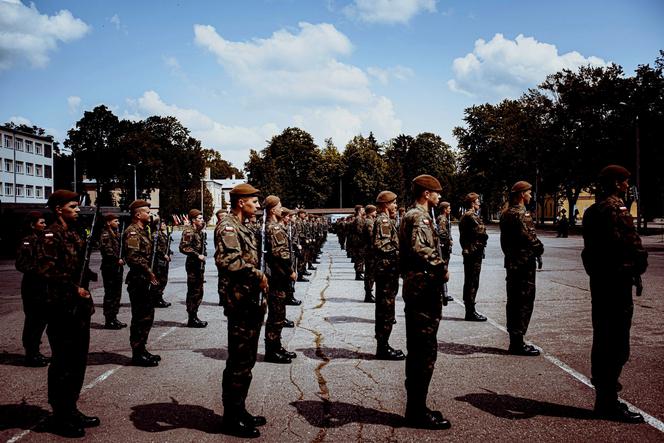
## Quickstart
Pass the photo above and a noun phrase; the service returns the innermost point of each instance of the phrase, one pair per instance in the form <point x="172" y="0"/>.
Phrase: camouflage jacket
<point x="26" y="254"/>
<point x="163" y="250"/>
<point x="138" y="251"/>
<point x="419" y="244"/>
<point x="60" y="260"/>
<point x="445" y="236"/>
<point x="278" y="254"/>
<point x="236" y="257"/>
<point x="611" y="243"/>
<point x="472" y="234"/>
<point x="109" y="246"/>
<point x="367" y="231"/>
<point x="385" y="244"/>
<point x="518" y="239"/>
<point x="192" y="244"/>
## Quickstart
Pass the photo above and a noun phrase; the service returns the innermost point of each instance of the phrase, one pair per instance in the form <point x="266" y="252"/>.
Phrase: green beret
<point x="60" y="197"/>
<point x="193" y="213"/>
<point x="386" y="197"/>
<point x="244" y="190"/>
<point x="138" y="204"/>
<point x="614" y="172"/>
<point x="428" y="182"/>
<point x="521" y="186"/>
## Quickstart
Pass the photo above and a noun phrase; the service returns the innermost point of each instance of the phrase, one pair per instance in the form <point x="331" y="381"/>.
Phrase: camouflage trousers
<point x="161" y="272"/>
<point x="423" y="313"/>
<point x="358" y="261"/>
<point x="472" y="266"/>
<point x="276" y="314"/>
<point x="195" y="279"/>
<point x="35" y="310"/>
<point x="142" y="313"/>
<point x="612" y="310"/>
<point x="112" y="290"/>
<point x="369" y="272"/>
<point x="69" y="336"/>
<point x="520" y="299"/>
<point x="244" y="329"/>
<point x="387" y="286"/>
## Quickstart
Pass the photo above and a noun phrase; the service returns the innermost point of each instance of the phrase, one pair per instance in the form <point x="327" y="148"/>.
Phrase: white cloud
<point x="388" y="11"/>
<point x="384" y="75"/>
<point x="74" y="103"/>
<point x="233" y="142"/>
<point x="506" y="68"/>
<point x="18" y="120"/>
<point x="116" y="21"/>
<point x="28" y="35"/>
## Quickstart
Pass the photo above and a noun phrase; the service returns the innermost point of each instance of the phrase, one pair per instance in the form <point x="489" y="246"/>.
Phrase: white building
<point x="220" y="190"/>
<point x="26" y="165"/>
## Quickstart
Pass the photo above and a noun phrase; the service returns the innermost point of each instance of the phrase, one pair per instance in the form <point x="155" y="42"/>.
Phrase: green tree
<point x="220" y="168"/>
<point x="334" y="167"/>
<point x="365" y="171"/>
<point x="429" y="154"/>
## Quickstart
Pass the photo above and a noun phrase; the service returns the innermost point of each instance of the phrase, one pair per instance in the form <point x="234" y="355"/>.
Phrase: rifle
<point x="204" y="244"/>
<point x="638" y="282"/>
<point x="155" y="238"/>
<point x="293" y="258"/>
<point x="121" y="247"/>
<point x="82" y="281"/>
<point x="440" y="251"/>
<point x="263" y="264"/>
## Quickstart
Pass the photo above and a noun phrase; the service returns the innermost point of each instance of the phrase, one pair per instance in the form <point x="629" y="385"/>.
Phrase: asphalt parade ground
<point x="335" y="390"/>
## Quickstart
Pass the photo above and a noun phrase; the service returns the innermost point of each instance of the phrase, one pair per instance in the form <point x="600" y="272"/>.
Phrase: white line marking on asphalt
<point x="652" y="421"/>
<point x="90" y="385"/>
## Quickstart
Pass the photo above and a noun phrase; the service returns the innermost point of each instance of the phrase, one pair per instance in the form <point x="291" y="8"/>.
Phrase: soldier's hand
<point x="293" y="276"/>
<point x="264" y="285"/>
<point x="168" y="258"/>
<point x="539" y="262"/>
<point x="83" y="293"/>
<point x="201" y="257"/>
<point x="153" y="279"/>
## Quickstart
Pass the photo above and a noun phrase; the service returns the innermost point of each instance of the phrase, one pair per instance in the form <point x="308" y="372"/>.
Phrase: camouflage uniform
<point x="521" y="247"/>
<point x="60" y="258"/>
<point x="192" y="245"/>
<point x="341" y="233"/>
<point x="111" y="271"/>
<point x="33" y="294"/>
<point x="424" y="274"/>
<point x="236" y="258"/>
<point x="385" y="246"/>
<point x="300" y="238"/>
<point x="445" y="237"/>
<point x="473" y="238"/>
<point x="279" y="261"/>
<point x="161" y="265"/>
<point x="357" y="252"/>
<point x="138" y="254"/>
<point x="368" y="256"/>
<point x="612" y="256"/>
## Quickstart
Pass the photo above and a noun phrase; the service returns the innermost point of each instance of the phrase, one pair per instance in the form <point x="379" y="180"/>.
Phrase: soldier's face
<point x="69" y="211"/>
<point x="199" y="222"/>
<point x="39" y="225"/>
<point x="623" y="186"/>
<point x="433" y="198"/>
<point x="447" y="211"/>
<point x="392" y="208"/>
<point x="249" y="206"/>
<point x="143" y="214"/>
<point x="114" y="224"/>
<point x="276" y="210"/>
<point x="286" y="219"/>
<point x="476" y="204"/>
<point x="527" y="196"/>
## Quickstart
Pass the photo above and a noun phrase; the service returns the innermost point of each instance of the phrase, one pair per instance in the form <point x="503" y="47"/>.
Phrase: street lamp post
<point x="135" y="185"/>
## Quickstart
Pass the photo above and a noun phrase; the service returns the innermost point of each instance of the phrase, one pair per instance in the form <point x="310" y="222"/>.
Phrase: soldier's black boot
<point x="292" y="301"/>
<point x="288" y="354"/>
<point x="473" y="315"/>
<point x="140" y="358"/>
<point x="86" y="421"/>
<point x="301" y="278"/>
<point x="608" y="407"/>
<point x="162" y="304"/>
<point x="154" y="357"/>
<point x="240" y="425"/>
<point x="273" y="354"/>
<point x="518" y="347"/>
<point x="114" y="323"/>
<point x="311" y="267"/>
<point x="424" y="418"/>
<point x="386" y="352"/>
<point x="256" y="420"/>
<point x="359" y="276"/>
<point x="305" y="272"/>
<point x="195" y="322"/>
<point x="289" y="323"/>
<point x="65" y="425"/>
<point x="368" y="297"/>
<point x="36" y="360"/>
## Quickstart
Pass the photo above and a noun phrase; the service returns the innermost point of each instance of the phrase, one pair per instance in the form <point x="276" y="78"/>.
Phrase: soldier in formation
<point x="112" y="270"/>
<point x="367" y="252"/>
<point x="424" y="272"/>
<point x="139" y="254"/>
<point x="162" y="261"/>
<point x="33" y="291"/>
<point x="445" y="238"/>
<point x="614" y="259"/>
<point x="237" y="261"/>
<point x="473" y="239"/>
<point x="355" y="246"/>
<point x="193" y="245"/>
<point x="522" y="249"/>
<point x="63" y="266"/>
<point x="385" y="251"/>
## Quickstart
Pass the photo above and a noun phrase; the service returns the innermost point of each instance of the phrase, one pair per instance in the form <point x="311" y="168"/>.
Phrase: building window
<point x="19" y="167"/>
<point x="39" y="192"/>
<point x="47" y="191"/>
<point x="28" y="146"/>
<point x="39" y="149"/>
<point x="18" y="144"/>
<point x="29" y="191"/>
<point x="19" y="190"/>
<point x="8" y="142"/>
<point x="1" y="188"/>
<point x="48" y="171"/>
<point x="47" y="151"/>
<point x="29" y="169"/>
<point x="9" y="189"/>
<point x="9" y="166"/>
<point x="39" y="170"/>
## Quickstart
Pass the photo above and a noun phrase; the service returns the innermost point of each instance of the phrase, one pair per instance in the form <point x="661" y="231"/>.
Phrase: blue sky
<point x="238" y="72"/>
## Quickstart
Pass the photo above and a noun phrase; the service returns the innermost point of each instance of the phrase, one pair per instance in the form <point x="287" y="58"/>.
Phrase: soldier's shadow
<point x="168" y="324"/>
<point x="213" y="353"/>
<point x="203" y="303"/>
<point x="464" y="349"/>
<point x="122" y="305"/>
<point x="11" y="359"/>
<point x="518" y="408"/>
<point x="347" y="319"/>
<point x="21" y="416"/>
<point x="325" y="353"/>
<point x="108" y="358"/>
<point x="326" y="414"/>
<point x="161" y="417"/>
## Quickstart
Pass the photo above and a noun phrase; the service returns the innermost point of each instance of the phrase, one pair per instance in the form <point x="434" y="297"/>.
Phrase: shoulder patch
<point x="229" y="228"/>
<point x="48" y="234"/>
<point x="131" y="233"/>
<point x="425" y="221"/>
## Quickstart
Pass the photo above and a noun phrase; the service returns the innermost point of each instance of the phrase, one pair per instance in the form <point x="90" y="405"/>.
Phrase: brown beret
<point x="60" y="197"/>
<point x="386" y="197"/>
<point x="428" y="182"/>
<point x="138" y="204"/>
<point x="193" y="213"/>
<point x="301" y="211"/>
<point x="285" y="211"/>
<point x="471" y="197"/>
<point x="614" y="172"/>
<point x="244" y="190"/>
<point x="110" y="217"/>
<point x="270" y="202"/>
<point x="369" y="209"/>
<point x="444" y="205"/>
<point x="358" y="207"/>
<point x="521" y="186"/>
<point x="33" y="216"/>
